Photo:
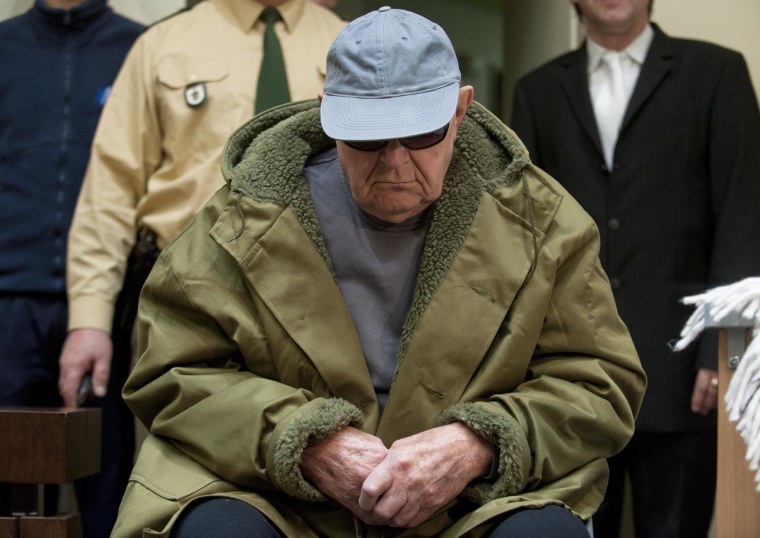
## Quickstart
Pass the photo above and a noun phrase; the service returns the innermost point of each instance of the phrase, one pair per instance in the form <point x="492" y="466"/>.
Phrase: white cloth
<point x="743" y="394"/>
<point x="741" y="298"/>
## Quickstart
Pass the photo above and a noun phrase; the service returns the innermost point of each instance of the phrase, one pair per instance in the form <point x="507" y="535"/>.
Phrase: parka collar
<point x="265" y="158"/>
<point x="267" y="154"/>
<point x="264" y="161"/>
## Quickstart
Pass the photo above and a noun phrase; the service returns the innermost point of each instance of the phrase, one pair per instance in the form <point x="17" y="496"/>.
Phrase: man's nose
<point x="394" y="154"/>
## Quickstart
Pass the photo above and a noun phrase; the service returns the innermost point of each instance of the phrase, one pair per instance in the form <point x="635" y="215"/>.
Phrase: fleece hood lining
<point x="265" y="159"/>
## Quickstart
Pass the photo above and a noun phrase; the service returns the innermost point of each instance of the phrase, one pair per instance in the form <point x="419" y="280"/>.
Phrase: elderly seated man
<point x="387" y="323"/>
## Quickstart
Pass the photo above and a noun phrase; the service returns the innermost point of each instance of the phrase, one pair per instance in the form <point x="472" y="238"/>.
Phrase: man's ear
<point x="466" y="95"/>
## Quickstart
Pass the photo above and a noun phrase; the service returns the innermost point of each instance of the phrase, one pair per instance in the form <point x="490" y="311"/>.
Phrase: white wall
<point x="732" y="23"/>
<point x="534" y="32"/>
<point x="143" y="11"/>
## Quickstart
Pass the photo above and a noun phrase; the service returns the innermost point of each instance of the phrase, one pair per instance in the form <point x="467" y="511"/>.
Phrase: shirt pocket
<point x="199" y="104"/>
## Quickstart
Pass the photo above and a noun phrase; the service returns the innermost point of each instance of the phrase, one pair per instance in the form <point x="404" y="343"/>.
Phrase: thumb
<point x="100" y="372"/>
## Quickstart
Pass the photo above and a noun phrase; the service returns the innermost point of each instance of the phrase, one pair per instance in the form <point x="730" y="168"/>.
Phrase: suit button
<point x="613" y="224"/>
<point x="615" y="284"/>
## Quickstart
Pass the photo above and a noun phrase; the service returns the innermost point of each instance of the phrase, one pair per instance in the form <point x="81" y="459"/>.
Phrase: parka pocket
<point x="162" y="482"/>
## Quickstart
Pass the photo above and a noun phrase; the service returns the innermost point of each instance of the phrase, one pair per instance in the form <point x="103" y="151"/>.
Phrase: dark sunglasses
<point x="423" y="141"/>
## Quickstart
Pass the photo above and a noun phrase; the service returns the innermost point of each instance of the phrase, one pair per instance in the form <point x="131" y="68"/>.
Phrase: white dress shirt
<point x="610" y="89"/>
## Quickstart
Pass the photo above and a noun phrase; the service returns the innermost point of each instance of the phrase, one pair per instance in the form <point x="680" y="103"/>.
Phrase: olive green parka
<point x="248" y="352"/>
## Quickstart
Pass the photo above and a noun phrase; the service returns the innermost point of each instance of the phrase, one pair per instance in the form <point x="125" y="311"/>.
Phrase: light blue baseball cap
<point x="390" y="74"/>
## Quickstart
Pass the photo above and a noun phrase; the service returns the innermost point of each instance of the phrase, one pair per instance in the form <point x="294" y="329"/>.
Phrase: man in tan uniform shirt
<point x="186" y="85"/>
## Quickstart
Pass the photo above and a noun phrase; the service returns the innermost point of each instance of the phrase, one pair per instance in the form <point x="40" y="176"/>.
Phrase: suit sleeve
<point x="734" y="170"/>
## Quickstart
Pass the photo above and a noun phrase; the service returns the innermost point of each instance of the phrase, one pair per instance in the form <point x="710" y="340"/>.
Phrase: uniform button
<point x="613" y="224"/>
<point x="615" y="284"/>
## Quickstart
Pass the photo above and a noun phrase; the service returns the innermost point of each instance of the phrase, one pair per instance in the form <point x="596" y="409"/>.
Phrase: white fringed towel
<point x="743" y="394"/>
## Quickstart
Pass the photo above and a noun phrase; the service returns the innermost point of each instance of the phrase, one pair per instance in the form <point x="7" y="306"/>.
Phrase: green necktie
<point x="272" y="88"/>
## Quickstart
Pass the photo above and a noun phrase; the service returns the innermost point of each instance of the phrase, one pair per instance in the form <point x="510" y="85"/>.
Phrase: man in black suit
<point x="674" y="185"/>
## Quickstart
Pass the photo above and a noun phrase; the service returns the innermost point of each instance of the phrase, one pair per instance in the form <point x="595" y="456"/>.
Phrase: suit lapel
<point x="575" y="85"/>
<point x="574" y="81"/>
<point x="658" y="64"/>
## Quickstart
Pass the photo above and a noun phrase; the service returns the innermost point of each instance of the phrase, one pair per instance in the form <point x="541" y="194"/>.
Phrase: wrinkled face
<point x="619" y="17"/>
<point x="396" y="183"/>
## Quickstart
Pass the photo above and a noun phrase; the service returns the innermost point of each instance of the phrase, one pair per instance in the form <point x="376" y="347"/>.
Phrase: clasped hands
<point x="400" y="486"/>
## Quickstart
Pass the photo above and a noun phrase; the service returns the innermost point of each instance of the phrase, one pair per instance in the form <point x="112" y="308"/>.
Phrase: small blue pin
<point x="102" y="95"/>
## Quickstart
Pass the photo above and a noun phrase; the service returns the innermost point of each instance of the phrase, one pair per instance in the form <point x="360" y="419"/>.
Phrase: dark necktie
<point x="272" y="88"/>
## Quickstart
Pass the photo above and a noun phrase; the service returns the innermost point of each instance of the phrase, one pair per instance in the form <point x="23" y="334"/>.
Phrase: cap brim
<point x="381" y="118"/>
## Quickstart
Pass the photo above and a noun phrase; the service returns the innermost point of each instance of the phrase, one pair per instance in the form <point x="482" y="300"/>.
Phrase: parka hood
<point x="269" y="151"/>
<point x="265" y="158"/>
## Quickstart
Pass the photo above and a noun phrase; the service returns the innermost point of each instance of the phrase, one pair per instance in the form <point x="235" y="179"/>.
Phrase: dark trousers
<point x="100" y="495"/>
<point x="31" y="338"/>
<point x="551" y="521"/>
<point x="672" y="484"/>
<point x="32" y="331"/>
<point x="229" y="518"/>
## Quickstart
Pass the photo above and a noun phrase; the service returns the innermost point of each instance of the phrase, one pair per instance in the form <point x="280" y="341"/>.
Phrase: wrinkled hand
<point x="704" y="398"/>
<point x="422" y="473"/>
<point x="338" y="465"/>
<point x="85" y="350"/>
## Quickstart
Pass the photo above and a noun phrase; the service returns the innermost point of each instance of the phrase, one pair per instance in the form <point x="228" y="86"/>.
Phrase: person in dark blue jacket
<point x="58" y="61"/>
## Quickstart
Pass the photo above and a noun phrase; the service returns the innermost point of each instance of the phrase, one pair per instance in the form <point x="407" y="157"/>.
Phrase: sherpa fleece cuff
<point x="506" y="437"/>
<point x="314" y="424"/>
